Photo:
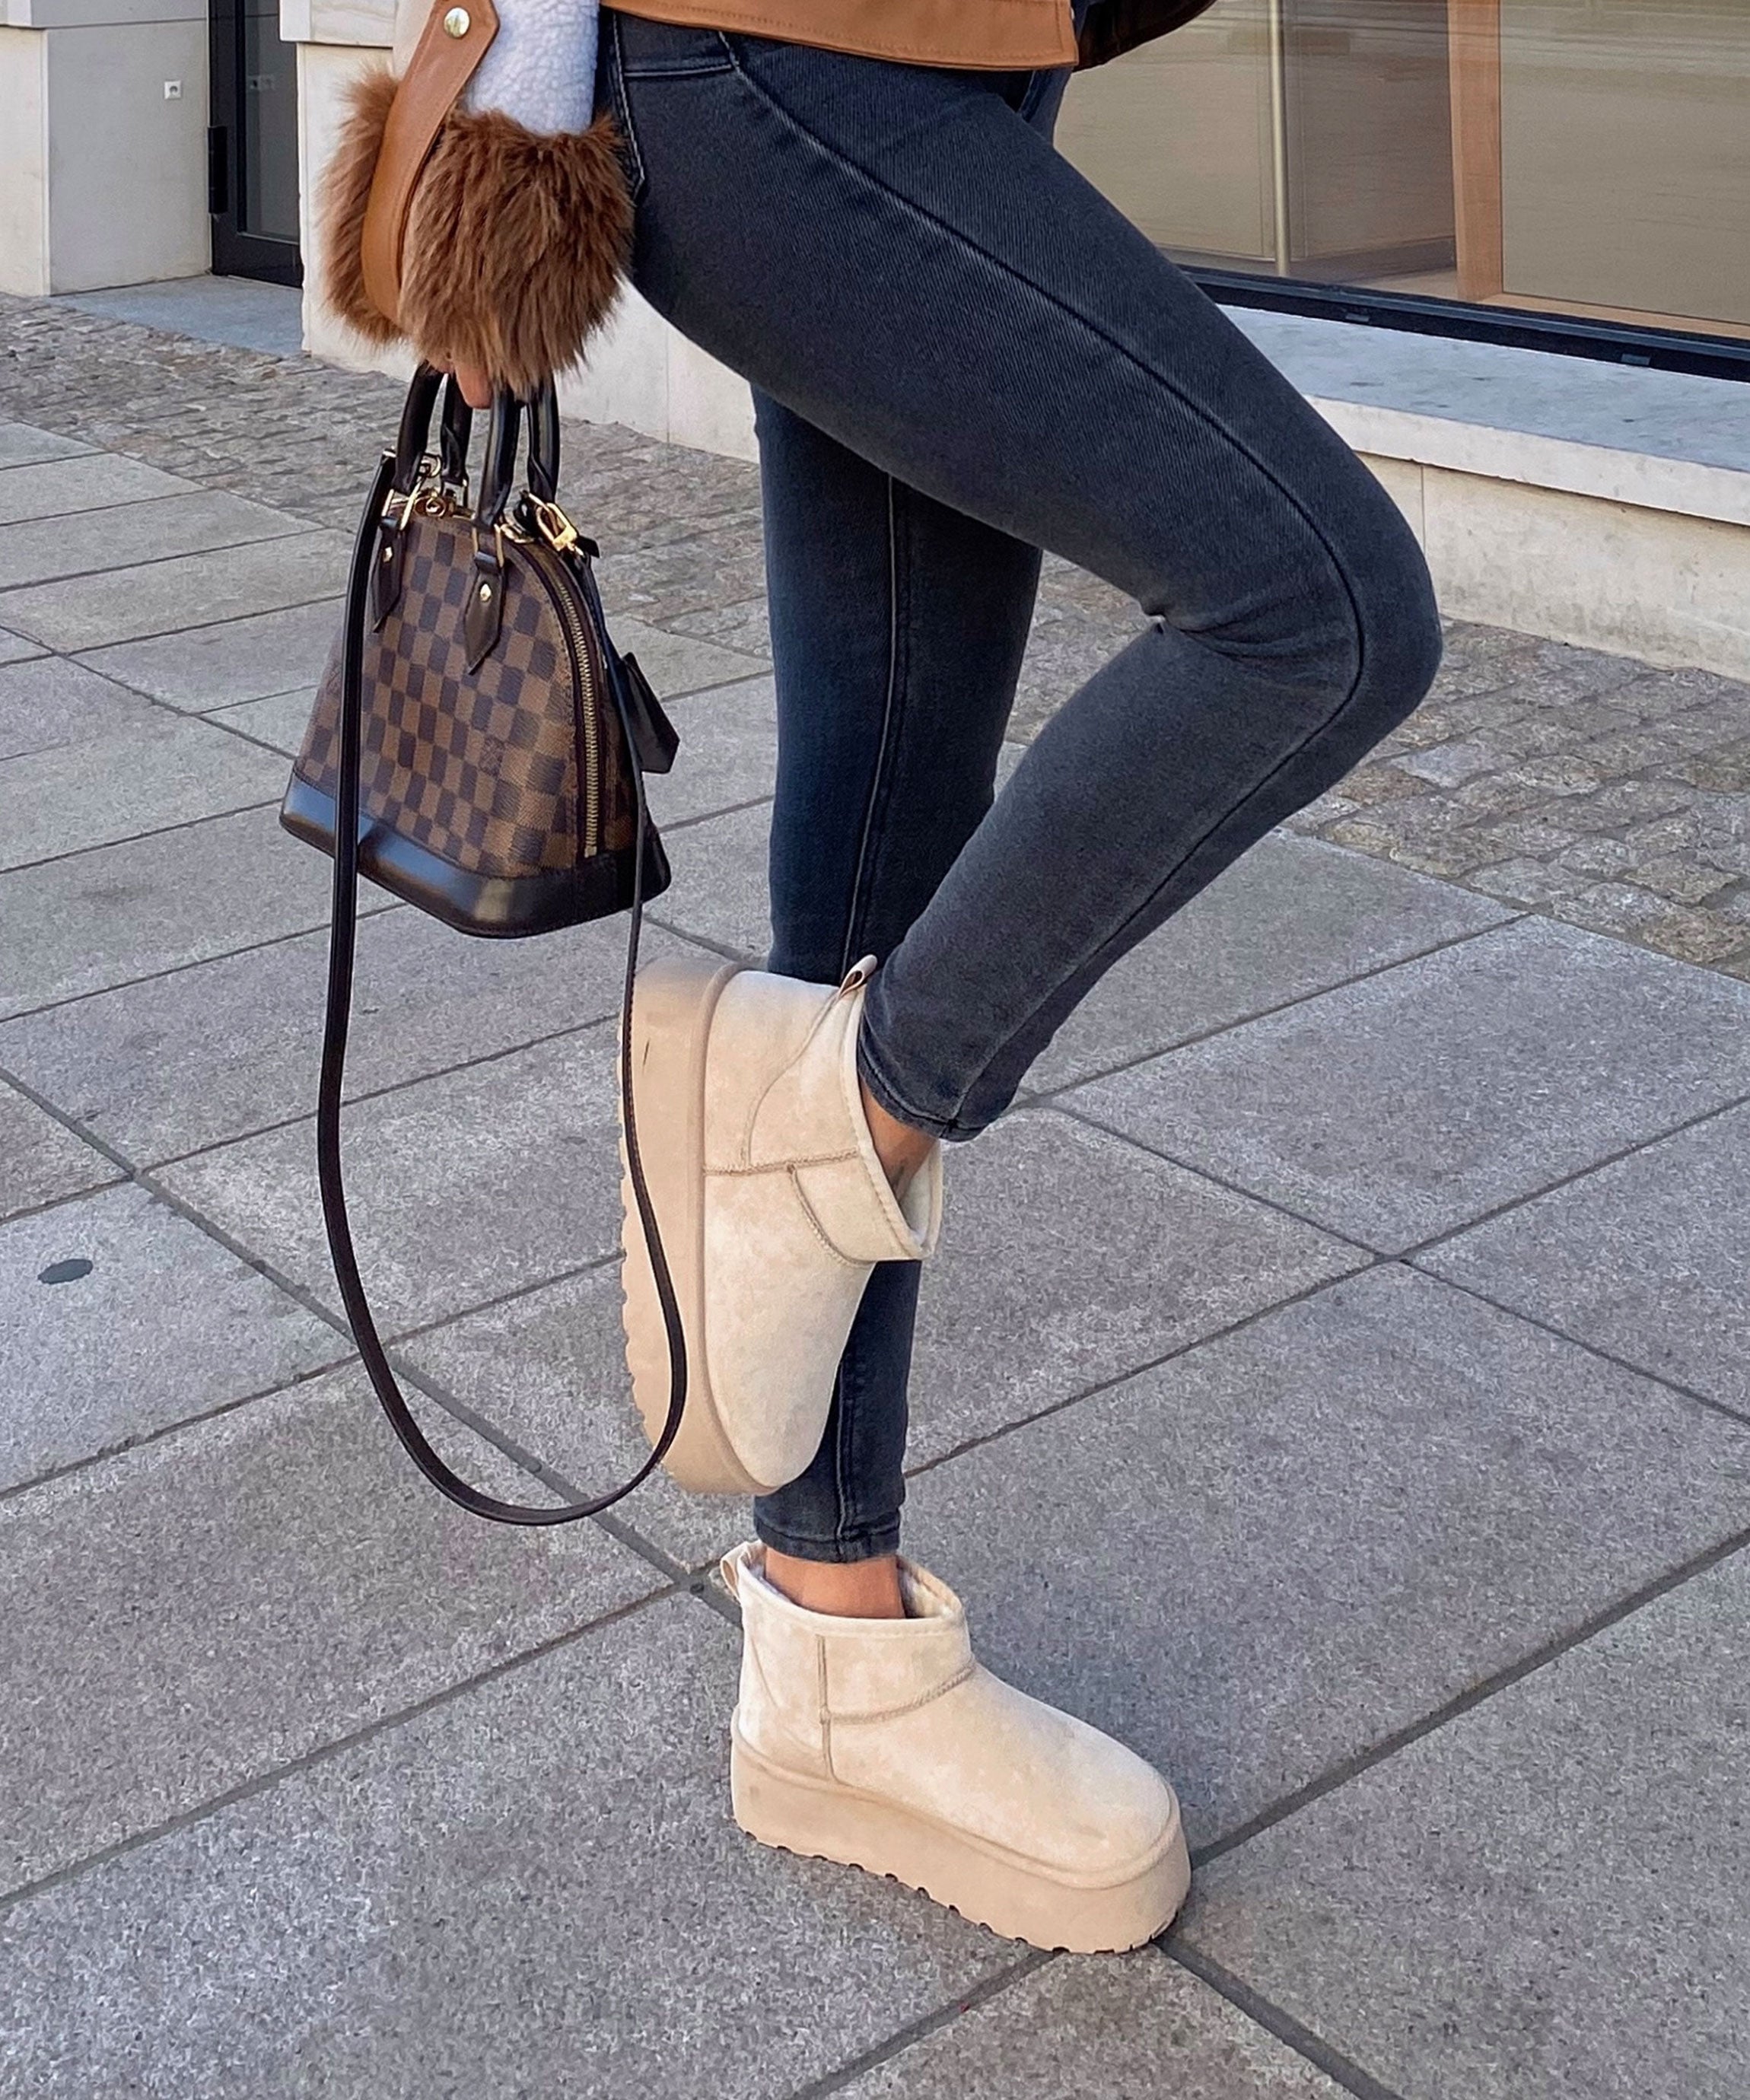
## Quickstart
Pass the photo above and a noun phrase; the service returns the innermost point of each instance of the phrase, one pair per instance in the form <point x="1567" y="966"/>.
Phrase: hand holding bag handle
<point x="476" y="206"/>
<point x="343" y="927"/>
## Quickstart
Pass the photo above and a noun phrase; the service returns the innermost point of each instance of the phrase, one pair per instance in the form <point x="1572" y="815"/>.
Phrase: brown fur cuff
<point x="514" y="245"/>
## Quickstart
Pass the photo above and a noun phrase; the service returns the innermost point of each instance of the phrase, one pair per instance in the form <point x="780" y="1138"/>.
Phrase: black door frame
<point x="235" y="254"/>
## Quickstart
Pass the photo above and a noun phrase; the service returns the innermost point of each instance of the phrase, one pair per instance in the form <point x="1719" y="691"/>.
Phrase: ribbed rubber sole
<point x="823" y="1820"/>
<point x="671" y="1027"/>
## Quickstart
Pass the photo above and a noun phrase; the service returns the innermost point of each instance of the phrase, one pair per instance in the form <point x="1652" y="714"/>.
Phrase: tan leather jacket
<point x="1000" y="34"/>
<point x="476" y="207"/>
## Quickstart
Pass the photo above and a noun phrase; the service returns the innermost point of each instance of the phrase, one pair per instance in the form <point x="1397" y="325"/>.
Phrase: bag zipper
<point x="551" y="563"/>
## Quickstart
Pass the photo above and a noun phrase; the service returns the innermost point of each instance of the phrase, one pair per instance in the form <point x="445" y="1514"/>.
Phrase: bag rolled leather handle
<point x="337" y="1019"/>
<point x="498" y="473"/>
<point x="413" y="436"/>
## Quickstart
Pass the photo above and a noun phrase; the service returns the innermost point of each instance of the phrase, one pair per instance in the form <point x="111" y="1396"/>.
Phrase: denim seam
<point x="954" y="236"/>
<point x="883" y="747"/>
<point x="843" y="1469"/>
<point x="622" y="107"/>
<point x="1193" y="409"/>
<point x="693" y="68"/>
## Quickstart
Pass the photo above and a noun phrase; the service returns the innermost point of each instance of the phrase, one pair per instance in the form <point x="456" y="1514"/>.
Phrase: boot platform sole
<point x="671" y="1028"/>
<point x="822" y="1820"/>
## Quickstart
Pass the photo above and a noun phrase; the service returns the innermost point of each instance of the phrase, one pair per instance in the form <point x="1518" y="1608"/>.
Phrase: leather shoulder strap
<point x="445" y="60"/>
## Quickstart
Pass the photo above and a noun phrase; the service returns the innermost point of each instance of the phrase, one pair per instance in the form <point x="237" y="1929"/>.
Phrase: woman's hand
<point x="477" y="388"/>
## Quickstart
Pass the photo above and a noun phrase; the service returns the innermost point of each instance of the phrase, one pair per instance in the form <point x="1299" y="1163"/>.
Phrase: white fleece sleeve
<point x="540" y="69"/>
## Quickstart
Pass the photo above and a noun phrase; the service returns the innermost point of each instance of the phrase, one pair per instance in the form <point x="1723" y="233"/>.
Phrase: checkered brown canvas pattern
<point x="477" y="767"/>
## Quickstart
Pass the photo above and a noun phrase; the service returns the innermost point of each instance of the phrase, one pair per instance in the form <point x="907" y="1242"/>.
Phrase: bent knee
<point x="1398" y="639"/>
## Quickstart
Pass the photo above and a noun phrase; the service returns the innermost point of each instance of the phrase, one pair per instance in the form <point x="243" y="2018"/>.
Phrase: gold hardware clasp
<point x="458" y="22"/>
<point x="556" y="528"/>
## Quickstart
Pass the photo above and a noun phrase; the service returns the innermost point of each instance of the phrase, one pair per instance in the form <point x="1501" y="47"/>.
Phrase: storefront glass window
<point x="1579" y="157"/>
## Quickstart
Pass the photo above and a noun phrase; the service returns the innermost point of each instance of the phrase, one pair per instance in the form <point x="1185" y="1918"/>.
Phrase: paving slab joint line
<point x="1364" y="1761"/>
<point x="1263" y="2013"/>
<point x="1418" y="1248"/>
<point x="401" y="1087"/>
<point x="242" y="735"/>
<point x="1054" y="1094"/>
<point x="729" y="954"/>
<point x="177" y="969"/>
<point x="920" y="2030"/>
<point x="707" y="816"/>
<point x="135" y="838"/>
<point x="325" y="1752"/>
<point x="306" y="531"/>
<point x="1738" y="1416"/>
<point x="1153" y="1363"/>
<point x="59" y="1202"/>
<point x="15" y="1489"/>
<point x="184" y="627"/>
<point x="1696" y="1122"/>
<point x="1204" y="1172"/>
<point x="537" y="1469"/>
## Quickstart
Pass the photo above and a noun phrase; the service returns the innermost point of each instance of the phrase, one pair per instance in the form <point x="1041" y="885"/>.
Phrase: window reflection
<point x="1581" y="155"/>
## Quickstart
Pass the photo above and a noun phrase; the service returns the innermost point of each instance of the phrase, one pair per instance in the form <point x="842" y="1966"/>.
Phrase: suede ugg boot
<point x="882" y="1744"/>
<point x="772" y="1205"/>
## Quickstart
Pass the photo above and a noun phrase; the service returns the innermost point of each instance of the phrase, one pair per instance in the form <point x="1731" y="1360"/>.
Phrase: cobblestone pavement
<point x="1333" y="1381"/>
<point x="1603" y="791"/>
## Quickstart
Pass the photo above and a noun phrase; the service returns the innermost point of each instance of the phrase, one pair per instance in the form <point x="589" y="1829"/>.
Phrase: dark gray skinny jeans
<point x="961" y="353"/>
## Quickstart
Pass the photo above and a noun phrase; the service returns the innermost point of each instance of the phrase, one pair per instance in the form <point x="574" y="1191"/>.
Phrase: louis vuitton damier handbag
<point x="478" y="748"/>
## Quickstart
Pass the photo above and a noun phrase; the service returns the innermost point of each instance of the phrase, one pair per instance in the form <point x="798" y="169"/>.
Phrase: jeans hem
<point x="949" y="1130"/>
<point x="866" y="1542"/>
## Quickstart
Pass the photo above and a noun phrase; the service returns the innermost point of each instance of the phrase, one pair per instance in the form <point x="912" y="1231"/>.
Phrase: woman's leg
<point x="898" y="627"/>
<point x="901" y="259"/>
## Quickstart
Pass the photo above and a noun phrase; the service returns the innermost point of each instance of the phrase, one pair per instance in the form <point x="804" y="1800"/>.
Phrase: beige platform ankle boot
<point x="772" y="1205"/>
<point x="882" y="1744"/>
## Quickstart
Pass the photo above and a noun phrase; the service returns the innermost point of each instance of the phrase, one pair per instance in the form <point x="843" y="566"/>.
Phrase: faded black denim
<point x="961" y="353"/>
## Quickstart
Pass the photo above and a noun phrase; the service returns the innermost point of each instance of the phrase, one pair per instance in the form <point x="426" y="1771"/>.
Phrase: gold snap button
<point x="457" y="23"/>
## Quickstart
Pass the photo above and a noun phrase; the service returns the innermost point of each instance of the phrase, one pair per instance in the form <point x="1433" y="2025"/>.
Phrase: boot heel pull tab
<point x="859" y="975"/>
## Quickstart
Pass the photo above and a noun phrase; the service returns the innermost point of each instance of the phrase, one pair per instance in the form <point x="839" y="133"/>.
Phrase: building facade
<point x="1525" y="203"/>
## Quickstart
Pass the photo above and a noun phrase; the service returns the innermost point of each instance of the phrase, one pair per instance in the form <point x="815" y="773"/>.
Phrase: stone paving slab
<point x="216" y="666"/>
<point x="543" y="1867"/>
<point x="53" y="488"/>
<point x="1647" y="1259"/>
<point x="186" y="1617"/>
<point x="1130" y="2026"/>
<point x="146" y="778"/>
<point x="177" y="1063"/>
<point x="1294" y="916"/>
<point x="1415" y="1101"/>
<point x="677" y="664"/>
<point x="115" y="913"/>
<point x="548" y="1369"/>
<point x="41" y="1160"/>
<point x="47" y="704"/>
<point x="1287" y="1541"/>
<point x="727" y="754"/>
<point x="1546" y="1896"/>
<point x="279" y="721"/>
<point x="462" y="1188"/>
<point x="121" y="1318"/>
<point x="1269" y="1555"/>
<point x="22" y="444"/>
<point x="718" y="894"/>
<point x="193" y="590"/>
<point x="1069" y="1257"/>
<point x="103" y="540"/>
